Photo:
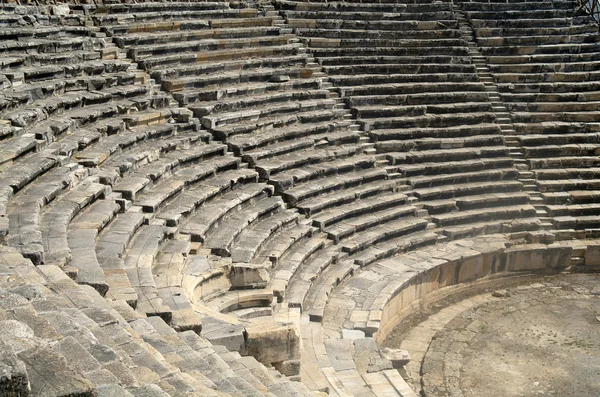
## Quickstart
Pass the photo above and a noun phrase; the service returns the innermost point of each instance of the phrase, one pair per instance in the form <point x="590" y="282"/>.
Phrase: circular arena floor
<point x="538" y="338"/>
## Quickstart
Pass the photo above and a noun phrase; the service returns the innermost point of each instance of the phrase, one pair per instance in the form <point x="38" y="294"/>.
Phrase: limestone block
<point x="273" y="342"/>
<point x="248" y="275"/>
<point x="592" y="255"/>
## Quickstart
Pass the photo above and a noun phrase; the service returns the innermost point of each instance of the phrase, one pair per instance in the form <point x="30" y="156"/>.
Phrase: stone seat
<point x="162" y="61"/>
<point x="137" y="262"/>
<point x="541" y="117"/>
<point x="492" y="227"/>
<point x="383" y="232"/>
<point x="294" y="260"/>
<point x="545" y="58"/>
<point x="553" y="106"/>
<point x="398" y="69"/>
<point x="557" y="163"/>
<point x="158" y="16"/>
<point x="100" y="67"/>
<point x="334" y="51"/>
<point x="212" y="67"/>
<point x="411" y="36"/>
<point x="157" y="7"/>
<point x="467" y="189"/>
<point x="373" y="79"/>
<point x="382" y="135"/>
<point x="279" y="244"/>
<point x="169" y="269"/>
<point x="353" y="60"/>
<point x="223" y="133"/>
<point x="252" y="239"/>
<point x="164" y="141"/>
<point x="207" y="45"/>
<point x="81" y="238"/>
<point x="576" y="222"/>
<point x="574" y="210"/>
<point x="314" y="205"/>
<point x="256" y="101"/>
<point x="439" y="155"/>
<point x="529" y="22"/>
<point x="254" y="114"/>
<point x="570" y="77"/>
<point x="358" y="208"/>
<point x="387" y="7"/>
<point x="287" y="179"/>
<point x="556" y="127"/>
<point x="369" y="15"/>
<point x="12" y="149"/>
<point x="246" y="90"/>
<point x="231" y="78"/>
<point x="184" y="204"/>
<point x="562" y="139"/>
<point x="557" y="185"/>
<point x="70" y="57"/>
<point x="484" y="214"/>
<point x="461" y="166"/>
<point x="438" y="143"/>
<point x="55" y="219"/>
<point x="208" y="217"/>
<point x="300" y="283"/>
<point x="304" y="158"/>
<point x="534" y="14"/>
<point x="550" y="87"/>
<point x="428" y="120"/>
<point x="322" y="42"/>
<point x="65" y="44"/>
<point x="339" y="137"/>
<point x="533" y="31"/>
<point x="513" y="6"/>
<point x="358" y="224"/>
<point x="185" y="24"/>
<point x="369" y="111"/>
<point x="512" y="41"/>
<point x="227" y="233"/>
<point x="412" y="88"/>
<point x="544" y="67"/>
<point x="393" y="247"/>
<point x="546" y="151"/>
<point x="583" y="196"/>
<point x="30" y="168"/>
<point x="110" y="249"/>
<point x="317" y="297"/>
<point x="25" y="208"/>
<point x="334" y="182"/>
<point x="475" y="202"/>
<point x="156" y="196"/>
<point x="427" y="181"/>
<point x="97" y="154"/>
<point x="132" y="185"/>
<point x="145" y="39"/>
<point x="258" y="145"/>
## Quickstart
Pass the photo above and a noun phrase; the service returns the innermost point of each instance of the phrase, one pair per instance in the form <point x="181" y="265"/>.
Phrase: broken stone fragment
<point x="398" y="357"/>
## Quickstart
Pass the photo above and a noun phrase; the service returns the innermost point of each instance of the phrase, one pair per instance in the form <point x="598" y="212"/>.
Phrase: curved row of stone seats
<point x="544" y="62"/>
<point x="60" y="338"/>
<point x="249" y="81"/>
<point x="422" y="103"/>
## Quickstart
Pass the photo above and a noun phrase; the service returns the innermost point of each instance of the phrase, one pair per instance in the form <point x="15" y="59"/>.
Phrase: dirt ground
<point x="541" y="338"/>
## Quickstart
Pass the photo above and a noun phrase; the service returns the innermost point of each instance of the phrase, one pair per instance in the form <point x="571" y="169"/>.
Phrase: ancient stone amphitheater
<point x="245" y="197"/>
